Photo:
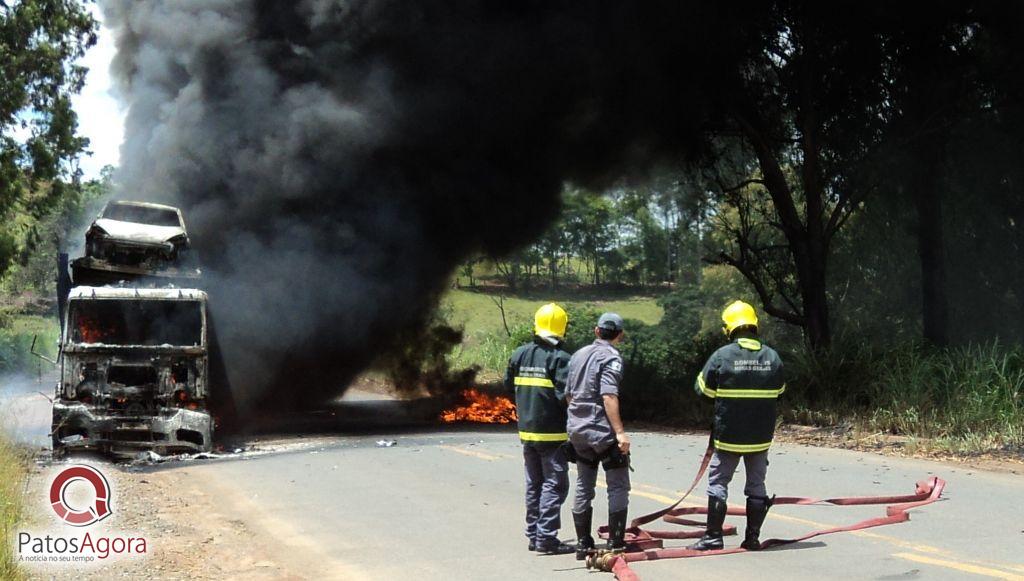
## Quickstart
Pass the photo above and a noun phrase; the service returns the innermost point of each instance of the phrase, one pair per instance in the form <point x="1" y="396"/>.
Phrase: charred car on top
<point x="133" y="372"/>
<point x="130" y="240"/>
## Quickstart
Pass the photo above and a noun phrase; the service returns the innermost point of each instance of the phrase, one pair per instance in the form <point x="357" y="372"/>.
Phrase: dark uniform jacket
<point x="537" y="371"/>
<point x="745" y="380"/>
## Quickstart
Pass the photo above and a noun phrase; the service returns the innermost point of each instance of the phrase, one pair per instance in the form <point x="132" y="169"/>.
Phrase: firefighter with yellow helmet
<point x="744" y="378"/>
<point x="537" y="372"/>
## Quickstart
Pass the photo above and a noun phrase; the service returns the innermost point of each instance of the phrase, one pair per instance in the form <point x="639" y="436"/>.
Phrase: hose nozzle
<point x="603" y="560"/>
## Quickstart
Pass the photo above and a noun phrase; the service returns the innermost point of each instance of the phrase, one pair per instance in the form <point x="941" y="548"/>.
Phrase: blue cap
<point x="610" y="321"/>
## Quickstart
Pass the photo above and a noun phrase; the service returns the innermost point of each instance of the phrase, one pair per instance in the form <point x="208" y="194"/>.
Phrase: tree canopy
<point x="40" y="42"/>
<point x="860" y="168"/>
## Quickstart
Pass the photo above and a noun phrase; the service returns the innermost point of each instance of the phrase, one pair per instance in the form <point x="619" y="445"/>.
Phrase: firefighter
<point x="745" y="379"/>
<point x="537" y="372"/>
<point x="596" y="433"/>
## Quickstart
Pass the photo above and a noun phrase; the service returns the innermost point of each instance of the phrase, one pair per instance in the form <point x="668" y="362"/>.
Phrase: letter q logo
<point x="100" y="508"/>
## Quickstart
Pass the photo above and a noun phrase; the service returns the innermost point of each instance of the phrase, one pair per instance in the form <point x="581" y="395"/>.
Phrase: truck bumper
<point x="77" y="426"/>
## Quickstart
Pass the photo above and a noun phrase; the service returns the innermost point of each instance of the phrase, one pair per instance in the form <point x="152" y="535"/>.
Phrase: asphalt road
<point x="445" y="503"/>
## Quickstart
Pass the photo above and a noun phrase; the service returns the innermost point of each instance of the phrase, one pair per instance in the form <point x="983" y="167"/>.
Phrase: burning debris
<point x="482" y="408"/>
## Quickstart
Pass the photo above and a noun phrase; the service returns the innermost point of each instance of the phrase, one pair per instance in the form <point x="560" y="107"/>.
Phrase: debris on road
<point x="386" y="443"/>
<point x="150" y="457"/>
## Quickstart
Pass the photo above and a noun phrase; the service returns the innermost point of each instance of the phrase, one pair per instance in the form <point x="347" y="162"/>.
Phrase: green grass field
<point x="477" y="311"/>
<point x="485" y="341"/>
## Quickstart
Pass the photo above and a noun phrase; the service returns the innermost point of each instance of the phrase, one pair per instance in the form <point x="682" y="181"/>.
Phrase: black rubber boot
<point x="712" y="539"/>
<point x="555" y="547"/>
<point x="584" y="542"/>
<point x="617" y="530"/>
<point x="757" y="510"/>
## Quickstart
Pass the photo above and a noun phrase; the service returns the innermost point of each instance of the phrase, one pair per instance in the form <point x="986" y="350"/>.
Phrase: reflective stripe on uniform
<point x="703" y="386"/>
<point x="742" y="448"/>
<point x="534" y="381"/>
<point x="536" y="437"/>
<point x="751" y="393"/>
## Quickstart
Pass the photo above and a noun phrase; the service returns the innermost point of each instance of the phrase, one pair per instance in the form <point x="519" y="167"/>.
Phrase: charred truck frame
<point x="134" y="372"/>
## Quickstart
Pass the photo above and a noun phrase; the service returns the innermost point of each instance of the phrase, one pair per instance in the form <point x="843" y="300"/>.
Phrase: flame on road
<point x="480" y="407"/>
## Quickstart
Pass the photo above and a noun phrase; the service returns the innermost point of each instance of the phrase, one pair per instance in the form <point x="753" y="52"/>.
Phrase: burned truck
<point x="134" y="372"/>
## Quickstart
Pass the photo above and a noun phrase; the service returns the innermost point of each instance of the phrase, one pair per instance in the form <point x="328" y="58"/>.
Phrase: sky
<point x="100" y="114"/>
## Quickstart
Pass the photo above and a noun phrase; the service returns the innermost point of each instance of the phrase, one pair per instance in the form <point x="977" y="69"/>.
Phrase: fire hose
<point x="647" y="545"/>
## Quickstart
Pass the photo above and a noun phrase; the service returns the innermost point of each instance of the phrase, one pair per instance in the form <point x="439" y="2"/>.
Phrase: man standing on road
<point x="537" y="372"/>
<point x="597" y="435"/>
<point x="745" y="379"/>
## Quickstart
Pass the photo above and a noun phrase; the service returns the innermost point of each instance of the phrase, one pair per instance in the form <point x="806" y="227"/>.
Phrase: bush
<point x="661" y="367"/>
<point x="955" y="393"/>
<point x="961" y="394"/>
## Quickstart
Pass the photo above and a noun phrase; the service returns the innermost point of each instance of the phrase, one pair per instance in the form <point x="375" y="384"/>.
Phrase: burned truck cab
<point x="133" y="372"/>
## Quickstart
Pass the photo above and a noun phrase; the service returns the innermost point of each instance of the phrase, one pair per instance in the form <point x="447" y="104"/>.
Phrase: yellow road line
<point x="962" y="567"/>
<point x="472" y="453"/>
<point x="650" y="495"/>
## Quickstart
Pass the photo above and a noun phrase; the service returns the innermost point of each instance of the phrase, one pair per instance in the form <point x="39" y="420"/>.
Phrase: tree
<point x="40" y="40"/>
<point x="590" y="228"/>
<point x="935" y="85"/>
<point x="806" y="113"/>
<point x="552" y="247"/>
<point x="644" y="241"/>
<point x="468" y="269"/>
<point x="61" y="228"/>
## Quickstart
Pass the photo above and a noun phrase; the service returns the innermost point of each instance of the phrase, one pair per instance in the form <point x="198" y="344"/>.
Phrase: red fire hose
<point x="645" y="545"/>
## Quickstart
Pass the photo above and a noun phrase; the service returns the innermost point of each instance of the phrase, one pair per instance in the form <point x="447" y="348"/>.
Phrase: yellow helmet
<point x="738" y="314"/>
<point x="550" y="321"/>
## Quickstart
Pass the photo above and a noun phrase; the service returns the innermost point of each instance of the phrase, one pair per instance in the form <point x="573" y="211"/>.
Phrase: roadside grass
<point x="16" y="333"/>
<point x="485" y="342"/>
<point x="962" y="400"/>
<point x="13" y="463"/>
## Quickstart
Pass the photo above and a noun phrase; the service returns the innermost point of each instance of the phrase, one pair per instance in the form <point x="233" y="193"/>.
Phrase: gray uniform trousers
<point x="547" y="486"/>
<point x="723" y="466"/>
<point x="586" y="480"/>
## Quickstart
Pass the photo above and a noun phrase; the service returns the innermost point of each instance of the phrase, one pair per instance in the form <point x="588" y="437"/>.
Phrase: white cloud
<point x="100" y="115"/>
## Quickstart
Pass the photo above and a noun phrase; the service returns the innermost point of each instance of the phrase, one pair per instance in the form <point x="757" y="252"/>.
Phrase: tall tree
<point x="590" y="228"/>
<point x="40" y="40"/>
<point x="934" y="86"/>
<point x="807" y="110"/>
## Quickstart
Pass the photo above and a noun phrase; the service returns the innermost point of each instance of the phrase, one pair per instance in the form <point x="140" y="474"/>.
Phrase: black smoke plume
<point x="336" y="160"/>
